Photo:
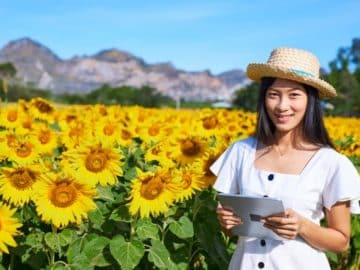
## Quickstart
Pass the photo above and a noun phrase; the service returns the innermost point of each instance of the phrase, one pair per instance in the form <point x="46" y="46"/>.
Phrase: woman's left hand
<point x="287" y="226"/>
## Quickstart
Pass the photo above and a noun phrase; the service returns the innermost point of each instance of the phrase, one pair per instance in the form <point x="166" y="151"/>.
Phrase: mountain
<point x="39" y="66"/>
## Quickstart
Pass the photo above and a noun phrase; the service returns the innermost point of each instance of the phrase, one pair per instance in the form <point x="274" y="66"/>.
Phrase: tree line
<point x="344" y="75"/>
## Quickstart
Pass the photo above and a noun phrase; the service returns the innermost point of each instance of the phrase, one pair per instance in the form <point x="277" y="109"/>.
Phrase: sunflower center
<point x="43" y="107"/>
<point x="108" y="129"/>
<point x="126" y="135"/>
<point x="63" y="194"/>
<point x="151" y="188"/>
<point x="24" y="149"/>
<point x="190" y="147"/>
<point x="210" y="122"/>
<point x="186" y="181"/>
<point x="75" y="132"/>
<point x="12" y="116"/>
<point x="22" y="178"/>
<point x="96" y="161"/>
<point x="44" y="136"/>
<point x="154" y="130"/>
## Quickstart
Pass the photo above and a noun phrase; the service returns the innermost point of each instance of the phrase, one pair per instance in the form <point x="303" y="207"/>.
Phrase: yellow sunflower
<point x="75" y="133"/>
<point x="11" y="116"/>
<point x="17" y="184"/>
<point x="8" y="228"/>
<point x="108" y="129"/>
<point x="152" y="193"/>
<point x="191" y="180"/>
<point x="21" y="149"/>
<point x="202" y="166"/>
<point x="189" y="148"/>
<point x="62" y="199"/>
<point x="159" y="153"/>
<point x="46" y="138"/>
<point x="95" y="162"/>
<point x="42" y="109"/>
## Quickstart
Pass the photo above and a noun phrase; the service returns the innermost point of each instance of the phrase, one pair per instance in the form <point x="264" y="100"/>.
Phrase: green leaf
<point x="75" y="249"/>
<point x="81" y="262"/>
<point x="159" y="255"/>
<point x="105" y="193"/>
<point x="146" y="229"/>
<point x="93" y="250"/>
<point x="96" y="218"/>
<point x="35" y="240"/>
<point x="332" y="256"/>
<point x="127" y="254"/>
<point x="52" y="240"/>
<point x="182" y="228"/>
<point x="121" y="214"/>
<point x="66" y="237"/>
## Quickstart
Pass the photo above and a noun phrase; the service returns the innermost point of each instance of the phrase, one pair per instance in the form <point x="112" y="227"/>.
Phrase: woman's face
<point x="285" y="103"/>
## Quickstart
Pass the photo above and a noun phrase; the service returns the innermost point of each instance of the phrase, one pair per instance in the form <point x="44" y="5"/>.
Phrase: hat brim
<point x="257" y="71"/>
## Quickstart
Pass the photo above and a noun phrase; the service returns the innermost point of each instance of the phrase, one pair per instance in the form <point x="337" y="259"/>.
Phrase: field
<point x="90" y="187"/>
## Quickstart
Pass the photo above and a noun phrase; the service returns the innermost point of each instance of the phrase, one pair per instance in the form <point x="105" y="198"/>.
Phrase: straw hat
<point x="292" y="64"/>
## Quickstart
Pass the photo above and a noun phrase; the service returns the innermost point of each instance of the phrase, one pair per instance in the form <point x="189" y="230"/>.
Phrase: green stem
<point x="12" y="260"/>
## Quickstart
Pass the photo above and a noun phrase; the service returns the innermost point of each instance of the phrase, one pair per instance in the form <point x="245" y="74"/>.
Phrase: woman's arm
<point x="335" y="237"/>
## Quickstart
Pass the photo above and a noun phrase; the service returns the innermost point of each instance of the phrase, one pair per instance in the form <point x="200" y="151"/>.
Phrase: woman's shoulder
<point x="335" y="159"/>
<point x="247" y="144"/>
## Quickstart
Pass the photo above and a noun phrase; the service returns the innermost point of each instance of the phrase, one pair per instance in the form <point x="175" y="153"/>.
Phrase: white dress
<point x="327" y="178"/>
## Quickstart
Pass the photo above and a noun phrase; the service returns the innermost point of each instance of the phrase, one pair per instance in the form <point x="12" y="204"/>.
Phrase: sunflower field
<point x="111" y="187"/>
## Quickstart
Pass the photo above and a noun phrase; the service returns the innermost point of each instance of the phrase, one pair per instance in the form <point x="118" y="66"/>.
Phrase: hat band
<point x="301" y="72"/>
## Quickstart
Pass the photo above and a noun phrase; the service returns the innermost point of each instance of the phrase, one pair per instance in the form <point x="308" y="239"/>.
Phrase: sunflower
<point x="95" y="162"/>
<point x="73" y="134"/>
<point x="11" y="116"/>
<point x="8" y="228"/>
<point x="191" y="180"/>
<point x="18" y="184"/>
<point x="42" y="109"/>
<point x="62" y="199"/>
<point x="108" y="129"/>
<point x="189" y="148"/>
<point x="46" y="138"/>
<point x="159" y="153"/>
<point x="202" y="166"/>
<point x="21" y="149"/>
<point x="152" y="193"/>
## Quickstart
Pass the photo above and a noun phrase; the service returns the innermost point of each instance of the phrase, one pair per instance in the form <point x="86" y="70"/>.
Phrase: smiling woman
<point x="291" y="158"/>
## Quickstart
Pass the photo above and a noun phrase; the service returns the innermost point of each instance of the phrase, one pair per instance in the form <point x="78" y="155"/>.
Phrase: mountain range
<point x="40" y="67"/>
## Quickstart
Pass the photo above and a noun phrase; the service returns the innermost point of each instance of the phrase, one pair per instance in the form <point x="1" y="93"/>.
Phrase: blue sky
<point x="192" y="35"/>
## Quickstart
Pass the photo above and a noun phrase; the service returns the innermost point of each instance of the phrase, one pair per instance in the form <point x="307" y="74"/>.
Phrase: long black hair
<point x="313" y="130"/>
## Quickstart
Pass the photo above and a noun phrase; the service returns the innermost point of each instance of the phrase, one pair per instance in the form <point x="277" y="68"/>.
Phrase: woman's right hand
<point x="227" y="218"/>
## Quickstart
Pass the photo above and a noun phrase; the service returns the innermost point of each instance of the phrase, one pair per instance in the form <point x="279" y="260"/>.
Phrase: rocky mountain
<point x="39" y="66"/>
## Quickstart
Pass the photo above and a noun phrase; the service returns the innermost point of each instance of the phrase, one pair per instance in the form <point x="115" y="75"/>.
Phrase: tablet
<point x="251" y="209"/>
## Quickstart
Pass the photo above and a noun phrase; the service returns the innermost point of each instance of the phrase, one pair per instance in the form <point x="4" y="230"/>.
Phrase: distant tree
<point x="246" y="98"/>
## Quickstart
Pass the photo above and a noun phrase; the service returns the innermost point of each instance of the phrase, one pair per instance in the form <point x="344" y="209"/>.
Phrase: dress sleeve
<point x="343" y="185"/>
<point x="226" y="170"/>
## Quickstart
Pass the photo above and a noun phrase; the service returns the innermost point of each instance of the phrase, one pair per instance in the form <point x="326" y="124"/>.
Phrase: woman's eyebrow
<point x="288" y="89"/>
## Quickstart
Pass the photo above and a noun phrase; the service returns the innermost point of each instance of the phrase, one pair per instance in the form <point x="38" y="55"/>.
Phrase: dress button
<point x="270" y="177"/>
<point x="261" y="265"/>
<point x="262" y="242"/>
<point x="266" y="196"/>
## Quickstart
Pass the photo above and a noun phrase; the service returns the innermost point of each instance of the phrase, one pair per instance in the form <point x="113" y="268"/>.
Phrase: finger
<point x="281" y="220"/>
<point x="285" y="233"/>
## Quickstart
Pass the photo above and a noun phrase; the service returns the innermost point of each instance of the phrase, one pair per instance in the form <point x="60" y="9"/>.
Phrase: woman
<point x="290" y="158"/>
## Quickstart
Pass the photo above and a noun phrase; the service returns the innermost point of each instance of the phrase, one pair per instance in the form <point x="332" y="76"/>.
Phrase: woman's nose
<point x="283" y="104"/>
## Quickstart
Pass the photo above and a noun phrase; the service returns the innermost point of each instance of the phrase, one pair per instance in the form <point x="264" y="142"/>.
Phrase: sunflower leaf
<point x="127" y="254"/>
<point x="93" y="250"/>
<point x="52" y="240"/>
<point x="66" y="237"/>
<point x="121" y="214"/>
<point x="146" y="229"/>
<point x="159" y="255"/>
<point x="182" y="228"/>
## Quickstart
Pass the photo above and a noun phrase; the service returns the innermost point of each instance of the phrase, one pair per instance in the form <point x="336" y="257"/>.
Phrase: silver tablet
<point x="250" y="209"/>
